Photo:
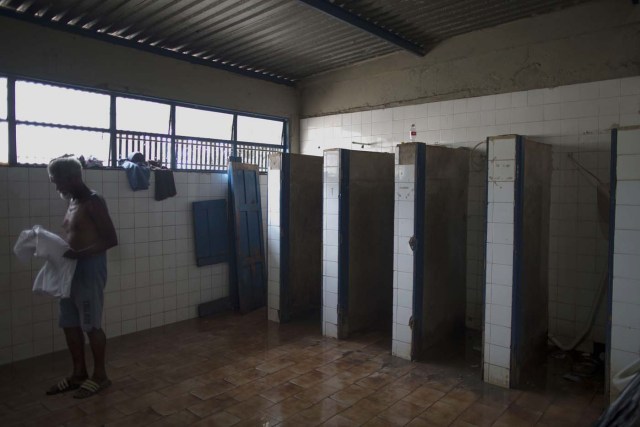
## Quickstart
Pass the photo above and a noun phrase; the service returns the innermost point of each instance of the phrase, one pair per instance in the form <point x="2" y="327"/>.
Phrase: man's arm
<point x="107" y="238"/>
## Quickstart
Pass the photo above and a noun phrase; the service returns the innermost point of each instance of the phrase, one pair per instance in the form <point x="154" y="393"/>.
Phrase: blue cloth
<point x="138" y="175"/>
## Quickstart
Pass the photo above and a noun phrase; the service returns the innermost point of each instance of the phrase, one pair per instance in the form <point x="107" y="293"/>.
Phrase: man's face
<point x="63" y="186"/>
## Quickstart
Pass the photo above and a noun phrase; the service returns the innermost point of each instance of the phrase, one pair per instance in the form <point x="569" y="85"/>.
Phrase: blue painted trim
<point x="172" y="120"/>
<point x="113" y="138"/>
<point x="285" y="234"/>
<point x="11" y="119"/>
<point x="516" y="302"/>
<point x="143" y="47"/>
<point x="419" y="211"/>
<point x="613" y="170"/>
<point x="343" y="242"/>
<point x="344" y="15"/>
<point x="484" y="260"/>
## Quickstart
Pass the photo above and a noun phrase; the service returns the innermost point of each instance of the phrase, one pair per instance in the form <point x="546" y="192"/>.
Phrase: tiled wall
<point x="572" y="119"/>
<point x="403" y="259"/>
<point x="625" y="319"/>
<point x="499" y="270"/>
<point x="330" y="240"/>
<point x="153" y="279"/>
<point x="273" y="244"/>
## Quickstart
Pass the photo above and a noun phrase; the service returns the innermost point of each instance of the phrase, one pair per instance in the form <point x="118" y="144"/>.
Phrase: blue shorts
<point x="83" y="308"/>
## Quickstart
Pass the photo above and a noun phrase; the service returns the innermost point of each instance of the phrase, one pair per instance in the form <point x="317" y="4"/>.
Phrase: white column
<point x="273" y="244"/>
<point x="500" y="252"/>
<point x="625" y="313"/>
<point x="330" y="239"/>
<point x="403" y="258"/>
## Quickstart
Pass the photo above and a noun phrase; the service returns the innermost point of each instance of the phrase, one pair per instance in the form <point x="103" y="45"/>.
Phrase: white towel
<point x="55" y="277"/>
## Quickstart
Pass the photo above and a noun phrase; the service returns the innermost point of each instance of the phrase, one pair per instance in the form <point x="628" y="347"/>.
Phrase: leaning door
<point x="244" y="191"/>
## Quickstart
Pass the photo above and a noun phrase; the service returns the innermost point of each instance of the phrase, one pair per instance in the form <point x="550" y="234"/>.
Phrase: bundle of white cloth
<point x="54" y="278"/>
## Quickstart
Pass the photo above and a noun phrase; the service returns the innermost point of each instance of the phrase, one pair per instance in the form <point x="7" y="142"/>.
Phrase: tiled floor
<point x="244" y="371"/>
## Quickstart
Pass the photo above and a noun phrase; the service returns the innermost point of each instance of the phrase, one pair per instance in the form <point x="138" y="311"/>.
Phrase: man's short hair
<point x="65" y="167"/>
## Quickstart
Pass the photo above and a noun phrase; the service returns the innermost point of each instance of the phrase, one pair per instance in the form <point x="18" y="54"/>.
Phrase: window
<point x="41" y="103"/>
<point x="40" y="144"/>
<point x="263" y="131"/>
<point x="4" y="126"/>
<point x="203" y="124"/>
<point x="52" y="120"/>
<point x="3" y="99"/>
<point x="142" y="116"/>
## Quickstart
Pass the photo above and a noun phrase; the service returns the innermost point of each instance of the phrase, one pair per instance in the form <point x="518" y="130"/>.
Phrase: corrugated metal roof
<point x="280" y="40"/>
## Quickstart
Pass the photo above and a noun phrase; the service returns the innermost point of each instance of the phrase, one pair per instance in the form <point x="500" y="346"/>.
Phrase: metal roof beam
<point x="352" y="19"/>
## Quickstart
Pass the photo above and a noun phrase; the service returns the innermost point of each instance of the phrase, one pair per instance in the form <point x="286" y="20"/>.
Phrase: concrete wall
<point x="594" y="41"/>
<point x="34" y="51"/>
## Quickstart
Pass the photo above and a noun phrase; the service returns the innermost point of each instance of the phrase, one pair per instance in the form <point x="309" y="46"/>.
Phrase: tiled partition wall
<point x="625" y="319"/>
<point x="499" y="270"/>
<point x="273" y="244"/>
<point x="330" y="238"/>
<point x="573" y="119"/>
<point x="152" y="276"/>
<point x="403" y="258"/>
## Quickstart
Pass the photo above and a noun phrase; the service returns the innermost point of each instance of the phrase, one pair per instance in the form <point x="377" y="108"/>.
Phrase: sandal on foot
<point x="90" y="387"/>
<point x="65" y="385"/>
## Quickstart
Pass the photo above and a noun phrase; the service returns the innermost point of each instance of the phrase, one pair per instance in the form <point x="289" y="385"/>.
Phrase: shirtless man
<point x="89" y="233"/>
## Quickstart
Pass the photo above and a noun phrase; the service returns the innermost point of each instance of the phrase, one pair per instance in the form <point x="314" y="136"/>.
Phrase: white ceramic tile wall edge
<point x="626" y="320"/>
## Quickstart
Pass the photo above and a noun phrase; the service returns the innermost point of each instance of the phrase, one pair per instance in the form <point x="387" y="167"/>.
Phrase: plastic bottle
<point x="413" y="133"/>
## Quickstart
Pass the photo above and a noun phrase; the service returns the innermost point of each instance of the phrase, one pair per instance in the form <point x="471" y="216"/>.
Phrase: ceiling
<point x="277" y="40"/>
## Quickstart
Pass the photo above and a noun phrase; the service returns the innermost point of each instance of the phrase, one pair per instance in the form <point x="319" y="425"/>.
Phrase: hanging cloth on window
<point x="165" y="185"/>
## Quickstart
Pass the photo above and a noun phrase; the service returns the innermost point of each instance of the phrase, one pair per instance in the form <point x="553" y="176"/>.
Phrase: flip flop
<point x="63" y="386"/>
<point x="90" y="388"/>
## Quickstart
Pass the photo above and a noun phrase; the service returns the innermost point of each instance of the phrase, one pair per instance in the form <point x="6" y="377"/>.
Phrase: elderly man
<point x="89" y="232"/>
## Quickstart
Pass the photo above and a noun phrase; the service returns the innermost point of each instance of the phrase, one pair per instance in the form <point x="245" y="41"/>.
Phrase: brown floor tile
<point x="481" y="414"/>
<point x="245" y="371"/>
<point x="322" y="411"/>
<point x="388" y="395"/>
<point x="287" y="408"/>
<point x="281" y="392"/>
<point x="441" y="413"/>
<point x="515" y="416"/>
<point x="362" y="411"/>
<point x="210" y="406"/>
<point x="375" y="380"/>
<point x="56" y="418"/>
<point x="424" y="396"/>
<point x="172" y="405"/>
<point x="275" y="365"/>
<point x="310" y="378"/>
<point x="143" y="417"/>
<point x="533" y="401"/>
<point x="244" y="377"/>
<point x="179" y="419"/>
<point x="219" y="419"/>
<point x="209" y="390"/>
<point x="249" y="407"/>
<point x="401" y="413"/>
<point x="317" y="392"/>
<point x="339" y="421"/>
<point x="351" y="394"/>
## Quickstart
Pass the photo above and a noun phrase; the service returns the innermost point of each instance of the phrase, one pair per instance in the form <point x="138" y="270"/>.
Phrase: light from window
<point x="3" y="98"/>
<point x="37" y="102"/>
<point x="263" y="131"/>
<point x="142" y="116"/>
<point x="4" y="143"/>
<point x="38" y="144"/>
<point x="203" y="124"/>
